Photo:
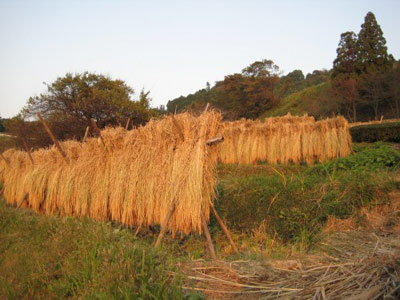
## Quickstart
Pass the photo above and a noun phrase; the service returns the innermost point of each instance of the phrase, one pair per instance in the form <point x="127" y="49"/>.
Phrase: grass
<point x="299" y="103"/>
<point x="272" y="210"/>
<point x="295" y="201"/>
<point x="47" y="257"/>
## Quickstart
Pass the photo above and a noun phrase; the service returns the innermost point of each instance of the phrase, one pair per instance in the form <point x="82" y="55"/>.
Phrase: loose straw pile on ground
<point x="284" y="139"/>
<point x="365" y="266"/>
<point x="132" y="177"/>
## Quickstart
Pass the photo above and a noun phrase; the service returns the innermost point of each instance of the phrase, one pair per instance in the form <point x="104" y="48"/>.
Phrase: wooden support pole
<point x="224" y="228"/>
<point x="22" y="200"/>
<point x="208" y="236"/>
<point x="27" y="150"/>
<point x="127" y="124"/>
<point x="58" y="146"/>
<point x="207" y="106"/>
<point x="165" y="222"/>
<point x="86" y="134"/>
<point x="5" y="159"/>
<point x="98" y="131"/>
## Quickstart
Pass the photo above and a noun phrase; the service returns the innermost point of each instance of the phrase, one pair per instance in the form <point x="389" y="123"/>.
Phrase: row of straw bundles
<point x="284" y="139"/>
<point x="132" y="178"/>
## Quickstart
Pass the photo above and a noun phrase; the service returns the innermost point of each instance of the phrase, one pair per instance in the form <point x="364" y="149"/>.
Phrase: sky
<point x="171" y="48"/>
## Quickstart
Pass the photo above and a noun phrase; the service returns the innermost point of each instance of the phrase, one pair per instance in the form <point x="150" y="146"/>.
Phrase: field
<point x="290" y="223"/>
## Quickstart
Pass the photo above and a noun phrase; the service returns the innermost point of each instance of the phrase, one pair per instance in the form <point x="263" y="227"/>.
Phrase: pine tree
<point x="372" y="50"/>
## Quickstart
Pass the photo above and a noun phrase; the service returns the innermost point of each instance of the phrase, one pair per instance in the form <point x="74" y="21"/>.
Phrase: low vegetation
<point x="272" y="210"/>
<point x="385" y="132"/>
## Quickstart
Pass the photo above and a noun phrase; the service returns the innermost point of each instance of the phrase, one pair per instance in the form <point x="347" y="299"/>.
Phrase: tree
<point x="344" y="76"/>
<point x="1" y="125"/>
<point x="261" y="69"/>
<point x="71" y="101"/>
<point x="84" y="96"/>
<point x="372" y="50"/>
<point x="248" y="94"/>
<point x="393" y="80"/>
<point x="347" y="55"/>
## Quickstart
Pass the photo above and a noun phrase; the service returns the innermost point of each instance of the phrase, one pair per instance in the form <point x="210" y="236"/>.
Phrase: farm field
<point x="302" y="232"/>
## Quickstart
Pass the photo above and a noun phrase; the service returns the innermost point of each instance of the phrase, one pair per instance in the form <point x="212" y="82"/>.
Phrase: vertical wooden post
<point x="52" y="137"/>
<point x="165" y="222"/>
<point x="86" y="134"/>
<point x="208" y="236"/>
<point x="27" y="150"/>
<point x="207" y="106"/>
<point x="224" y="228"/>
<point x="127" y="124"/>
<point x="98" y="131"/>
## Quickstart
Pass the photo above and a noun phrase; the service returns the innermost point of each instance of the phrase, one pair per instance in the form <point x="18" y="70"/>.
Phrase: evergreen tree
<point x="347" y="54"/>
<point x="372" y="50"/>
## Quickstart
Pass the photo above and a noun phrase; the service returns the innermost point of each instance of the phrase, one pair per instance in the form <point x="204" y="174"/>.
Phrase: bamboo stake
<point x="164" y="224"/>
<point x="5" y="159"/>
<point x="86" y="134"/>
<point x="127" y="124"/>
<point x="208" y="236"/>
<point x="224" y="228"/>
<point x="27" y="150"/>
<point x="58" y="146"/>
<point x="207" y="106"/>
<point x="94" y="125"/>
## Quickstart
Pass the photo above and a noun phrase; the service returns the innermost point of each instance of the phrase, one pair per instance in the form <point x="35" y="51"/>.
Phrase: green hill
<point x="314" y="100"/>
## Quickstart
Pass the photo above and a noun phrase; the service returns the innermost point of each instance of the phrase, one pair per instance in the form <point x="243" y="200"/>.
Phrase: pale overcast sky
<point x="171" y="48"/>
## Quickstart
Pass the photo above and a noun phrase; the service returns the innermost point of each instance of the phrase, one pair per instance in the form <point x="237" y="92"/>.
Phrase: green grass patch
<point x="50" y="257"/>
<point x="295" y="201"/>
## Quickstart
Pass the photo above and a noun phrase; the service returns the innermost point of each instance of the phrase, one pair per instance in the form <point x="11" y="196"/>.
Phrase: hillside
<point x="307" y="100"/>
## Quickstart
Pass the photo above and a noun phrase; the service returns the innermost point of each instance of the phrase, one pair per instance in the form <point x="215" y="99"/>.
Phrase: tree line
<point x="363" y="83"/>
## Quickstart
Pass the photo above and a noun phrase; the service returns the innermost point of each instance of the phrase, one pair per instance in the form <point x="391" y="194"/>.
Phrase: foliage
<point x="372" y="50"/>
<point x="48" y="257"/>
<point x="296" y="201"/>
<point x="246" y="94"/>
<point x="86" y="96"/>
<point x="71" y="101"/>
<point x="346" y="60"/>
<point x="386" y="132"/>
<point x="316" y="100"/>
<point x="2" y="129"/>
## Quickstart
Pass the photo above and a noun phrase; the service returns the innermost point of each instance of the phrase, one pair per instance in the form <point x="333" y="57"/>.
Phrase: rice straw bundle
<point x="132" y="179"/>
<point x="284" y="139"/>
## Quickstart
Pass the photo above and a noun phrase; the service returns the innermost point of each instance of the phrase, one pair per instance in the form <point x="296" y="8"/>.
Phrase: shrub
<point x="386" y="132"/>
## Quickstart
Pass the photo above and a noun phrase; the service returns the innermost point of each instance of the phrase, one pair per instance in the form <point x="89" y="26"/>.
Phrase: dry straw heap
<point x="284" y="139"/>
<point x="131" y="177"/>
